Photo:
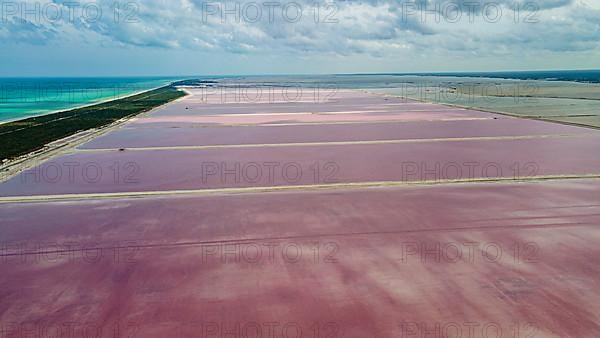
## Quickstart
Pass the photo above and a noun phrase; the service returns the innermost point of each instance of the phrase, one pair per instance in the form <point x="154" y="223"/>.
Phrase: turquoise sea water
<point x="25" y="97"/>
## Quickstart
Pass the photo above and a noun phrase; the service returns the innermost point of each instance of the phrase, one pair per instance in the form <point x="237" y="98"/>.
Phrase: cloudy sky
<point x="195" y="37"/>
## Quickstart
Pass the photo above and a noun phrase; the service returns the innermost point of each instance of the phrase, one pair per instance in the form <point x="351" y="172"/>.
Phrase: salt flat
<point x="390" y="228"/>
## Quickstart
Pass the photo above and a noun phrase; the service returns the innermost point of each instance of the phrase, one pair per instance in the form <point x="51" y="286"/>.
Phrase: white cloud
<point x="376" y="28"/>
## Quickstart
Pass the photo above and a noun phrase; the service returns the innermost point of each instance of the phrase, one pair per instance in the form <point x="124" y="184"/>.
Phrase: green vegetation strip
<point x="24" y="136"/>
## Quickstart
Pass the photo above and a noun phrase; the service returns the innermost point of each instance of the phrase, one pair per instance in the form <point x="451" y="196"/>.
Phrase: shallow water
<point x="27" y="97"/>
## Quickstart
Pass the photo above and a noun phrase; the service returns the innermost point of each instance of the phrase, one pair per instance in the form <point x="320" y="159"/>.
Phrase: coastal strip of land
<point x="28" y="135"/>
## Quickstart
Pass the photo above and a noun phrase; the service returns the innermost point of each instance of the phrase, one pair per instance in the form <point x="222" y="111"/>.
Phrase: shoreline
<point x="27" y="137"/>
<point x="87" y="105"/>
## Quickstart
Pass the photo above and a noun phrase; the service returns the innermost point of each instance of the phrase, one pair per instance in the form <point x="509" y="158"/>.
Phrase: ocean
<point x="26" y="97"/>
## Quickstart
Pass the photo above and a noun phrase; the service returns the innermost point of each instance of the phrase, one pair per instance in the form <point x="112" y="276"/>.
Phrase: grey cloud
<point x="375" y="27"/>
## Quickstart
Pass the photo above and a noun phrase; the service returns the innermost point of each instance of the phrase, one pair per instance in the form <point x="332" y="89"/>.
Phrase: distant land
<point x="588" y="76"/>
